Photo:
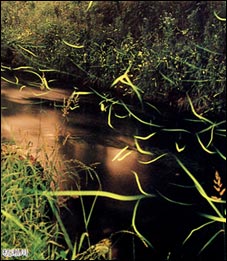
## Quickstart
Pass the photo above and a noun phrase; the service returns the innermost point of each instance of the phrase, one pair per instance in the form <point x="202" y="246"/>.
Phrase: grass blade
<point x="200" y="188"/>
<point x="89" y="193"/>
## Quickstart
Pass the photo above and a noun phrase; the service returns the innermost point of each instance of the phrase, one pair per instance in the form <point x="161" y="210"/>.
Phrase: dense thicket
<point x="169" y="48"/>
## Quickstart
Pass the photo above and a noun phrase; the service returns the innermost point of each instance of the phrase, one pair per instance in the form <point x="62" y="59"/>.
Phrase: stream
<point x="117" y="160"/>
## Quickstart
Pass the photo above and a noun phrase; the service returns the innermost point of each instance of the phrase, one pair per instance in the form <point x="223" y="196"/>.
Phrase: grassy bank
<point x="132" y="56"/>
<point x="32" y="227"/>
<point x="26" y="216"/>
<point x="166" y="49"/>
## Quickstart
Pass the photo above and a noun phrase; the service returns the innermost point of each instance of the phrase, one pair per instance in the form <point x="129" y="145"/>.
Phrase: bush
<point x="173" y="48"/>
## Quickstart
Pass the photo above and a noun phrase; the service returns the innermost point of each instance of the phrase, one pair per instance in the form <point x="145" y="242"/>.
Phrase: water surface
<point x="84" y="137"/>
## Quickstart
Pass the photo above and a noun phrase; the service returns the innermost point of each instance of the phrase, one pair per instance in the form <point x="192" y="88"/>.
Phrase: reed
<point x="211" y="200"/>
<point x="140" y="63"/>
<point x="25" y="220"/>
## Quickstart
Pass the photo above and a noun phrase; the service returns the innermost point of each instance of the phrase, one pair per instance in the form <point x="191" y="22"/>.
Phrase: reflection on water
<point x="84" y="136"/>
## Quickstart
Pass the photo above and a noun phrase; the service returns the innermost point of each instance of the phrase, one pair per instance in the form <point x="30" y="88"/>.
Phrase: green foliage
<point x="169" y="54"/>
<point x="25" y="222"/>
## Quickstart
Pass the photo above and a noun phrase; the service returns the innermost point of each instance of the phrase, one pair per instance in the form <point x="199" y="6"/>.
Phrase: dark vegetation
<point x="153" y="62"/>
<point x="169" y="48"/>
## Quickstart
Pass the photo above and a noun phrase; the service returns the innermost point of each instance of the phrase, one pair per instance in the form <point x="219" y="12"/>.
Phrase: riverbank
<point x="114" y="55"/>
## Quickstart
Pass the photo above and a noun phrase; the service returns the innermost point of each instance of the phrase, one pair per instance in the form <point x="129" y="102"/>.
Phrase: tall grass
<point x="31" y="220"/>
<point x="25" y="220"/>
<point x="38" y="192"/>
<point x="177" y="56"/>
<point x="178" y="63"/>
<point x="213" y="219"/>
